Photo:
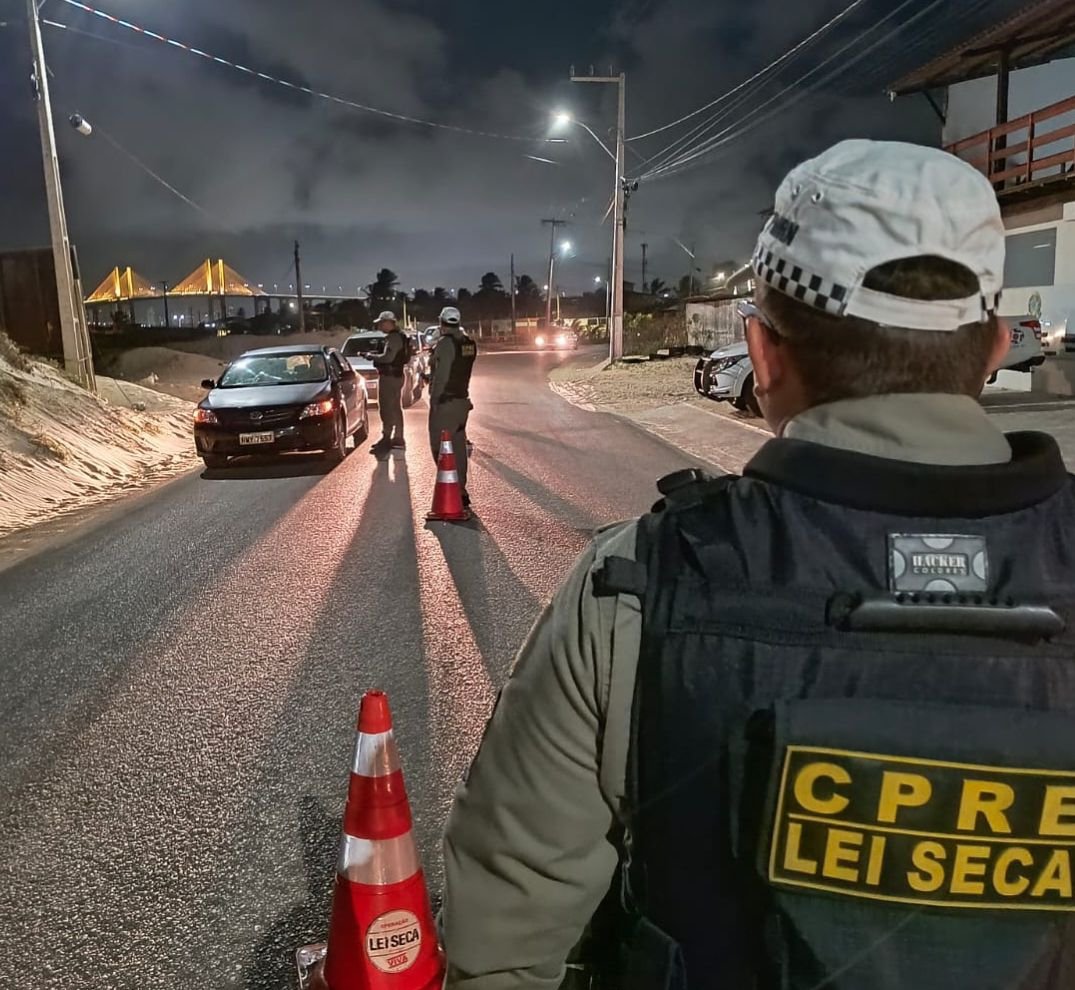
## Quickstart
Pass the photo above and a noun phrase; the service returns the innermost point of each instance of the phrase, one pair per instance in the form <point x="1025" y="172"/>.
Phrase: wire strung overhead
<point x="757" y="75"/>
<point x="98" y="129"/>
<point x="298" y="87"/>
<point x="691" y="157"/>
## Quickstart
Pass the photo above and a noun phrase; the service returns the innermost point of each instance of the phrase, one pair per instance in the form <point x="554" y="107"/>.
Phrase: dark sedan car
<point x="279" y="399"/>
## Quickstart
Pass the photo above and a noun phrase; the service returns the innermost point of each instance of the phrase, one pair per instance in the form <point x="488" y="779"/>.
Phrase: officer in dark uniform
<point x="449" y="391"/>
<point x="815" y="725"/>
<point x="391" y="365"/>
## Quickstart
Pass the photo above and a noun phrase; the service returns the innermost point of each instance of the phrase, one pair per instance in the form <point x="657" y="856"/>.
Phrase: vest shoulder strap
<point x="681" y="489"/>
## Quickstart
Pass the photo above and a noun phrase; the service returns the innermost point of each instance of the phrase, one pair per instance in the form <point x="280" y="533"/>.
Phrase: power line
<point x="297" y="87"/>
<point x="737" y="130"/>
<point x="757" y="75"/>
<point x="98" y="129"/>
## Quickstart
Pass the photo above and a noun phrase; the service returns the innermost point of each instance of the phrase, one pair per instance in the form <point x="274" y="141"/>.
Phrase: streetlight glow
<point x="561" y="119"/>
<point x="565" y="246"/>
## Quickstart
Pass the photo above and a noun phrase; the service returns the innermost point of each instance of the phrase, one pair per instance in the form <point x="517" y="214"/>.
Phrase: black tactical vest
<point x="853" y="753"/>
<point x="466" y="352"/>
<point x="394" y="368"/>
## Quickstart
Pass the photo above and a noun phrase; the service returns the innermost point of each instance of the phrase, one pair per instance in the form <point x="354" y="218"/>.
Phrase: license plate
<point x="251" y="439"/>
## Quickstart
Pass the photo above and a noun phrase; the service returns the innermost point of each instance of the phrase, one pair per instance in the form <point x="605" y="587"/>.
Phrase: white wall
<point x="1057" y="298"/>
<point x="972" y="105"/>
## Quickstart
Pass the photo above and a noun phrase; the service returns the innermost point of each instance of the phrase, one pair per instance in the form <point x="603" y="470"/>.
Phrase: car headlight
<point x="323" y="408"/>
<point x="723" y="364"/>
<point x="206" y="417"/>
<point x="561" y="340"/>
<point x="540" y="341"/>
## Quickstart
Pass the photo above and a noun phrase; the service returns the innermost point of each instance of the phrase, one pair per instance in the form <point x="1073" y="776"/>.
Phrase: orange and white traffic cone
<point x="448" y="494"/>
<point x="381" y="936"/>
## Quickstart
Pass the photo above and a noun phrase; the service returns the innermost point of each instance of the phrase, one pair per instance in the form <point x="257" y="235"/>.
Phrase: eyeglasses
<point x="747" y="310"/>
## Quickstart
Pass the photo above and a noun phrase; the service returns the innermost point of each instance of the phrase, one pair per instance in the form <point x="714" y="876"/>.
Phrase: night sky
<point x="268" y="165"/>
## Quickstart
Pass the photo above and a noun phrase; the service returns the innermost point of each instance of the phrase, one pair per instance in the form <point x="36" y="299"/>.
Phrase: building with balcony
<point x="1006" y="99"/>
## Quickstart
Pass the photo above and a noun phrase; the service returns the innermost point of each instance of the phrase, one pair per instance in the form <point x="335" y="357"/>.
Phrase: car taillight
<point x="205" y="416"/>
<point x="371" y="375"/>
<point x="323" y="408"/>
<point x="1032" y="325"/>
<point x="540" y="341"/>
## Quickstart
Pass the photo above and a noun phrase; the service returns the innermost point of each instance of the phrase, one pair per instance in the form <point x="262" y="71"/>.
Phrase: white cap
<point x="450" y="316"/>
<point x="386" y="315"/>
<point x="862" y="204"/>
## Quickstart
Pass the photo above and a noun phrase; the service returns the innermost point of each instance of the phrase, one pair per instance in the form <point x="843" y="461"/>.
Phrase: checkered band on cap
<point x="795" y="281"/>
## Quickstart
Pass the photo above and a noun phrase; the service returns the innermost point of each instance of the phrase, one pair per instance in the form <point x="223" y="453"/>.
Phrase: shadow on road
<point x="273" y="964"/>
<point x="265" y="468"/>
<point x="485" y="580"/>
<point x="562" y="508"/>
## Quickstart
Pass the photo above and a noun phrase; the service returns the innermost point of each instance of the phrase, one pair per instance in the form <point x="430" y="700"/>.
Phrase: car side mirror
<point x="208" y="383"/>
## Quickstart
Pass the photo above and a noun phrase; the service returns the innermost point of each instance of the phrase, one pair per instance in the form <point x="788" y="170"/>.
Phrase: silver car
<point x="362" y="347"/>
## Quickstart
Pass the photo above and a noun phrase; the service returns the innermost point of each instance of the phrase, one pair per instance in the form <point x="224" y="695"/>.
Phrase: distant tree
<point x="491" y="284"/>
<point x="492" y="302"/>
<point x="657" y="286"/>
<point x="441" y="295"/>
<point x="528" y="296"/>
<point x="464" y="296"/>
<point x="382" y="292"/>
<point x="422" y="297"/>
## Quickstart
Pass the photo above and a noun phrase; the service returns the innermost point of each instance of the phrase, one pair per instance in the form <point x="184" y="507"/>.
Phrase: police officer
<point x="391" y="364"/>
<point x="449" y="391"/>
<point x="814" y="725"/>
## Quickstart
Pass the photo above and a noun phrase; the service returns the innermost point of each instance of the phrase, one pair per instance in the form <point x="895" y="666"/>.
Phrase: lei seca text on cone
<point x="381" y="936"/>
<point x="448" y="495"/>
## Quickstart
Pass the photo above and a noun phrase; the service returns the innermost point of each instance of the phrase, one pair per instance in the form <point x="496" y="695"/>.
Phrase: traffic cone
<point x="448" y="495"/>
<point x="381" y="936"/>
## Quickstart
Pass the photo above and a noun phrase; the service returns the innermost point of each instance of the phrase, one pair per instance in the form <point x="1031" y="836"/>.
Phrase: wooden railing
<point x="1012" y="155"/>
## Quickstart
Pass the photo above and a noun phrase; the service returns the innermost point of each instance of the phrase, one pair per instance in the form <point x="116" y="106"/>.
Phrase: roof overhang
<point x="1038" y="33"/>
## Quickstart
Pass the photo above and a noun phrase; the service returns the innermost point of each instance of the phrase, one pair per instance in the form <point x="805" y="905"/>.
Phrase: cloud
<point x="269" y="164"/>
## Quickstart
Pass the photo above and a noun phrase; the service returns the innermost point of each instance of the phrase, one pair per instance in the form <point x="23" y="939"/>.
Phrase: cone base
<point x="464" y="516"/>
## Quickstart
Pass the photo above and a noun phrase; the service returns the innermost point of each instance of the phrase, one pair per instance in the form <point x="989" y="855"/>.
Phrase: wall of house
<point x="972" y="105"/>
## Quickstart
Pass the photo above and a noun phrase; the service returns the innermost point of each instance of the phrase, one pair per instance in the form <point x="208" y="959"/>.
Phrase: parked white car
<point x="727" y="375"/>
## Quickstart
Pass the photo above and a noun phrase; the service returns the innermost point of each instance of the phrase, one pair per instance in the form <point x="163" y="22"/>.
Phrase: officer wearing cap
<point x="810" y="727"/>
<point x="391" y="364"/>
<point x="451" y="366"/>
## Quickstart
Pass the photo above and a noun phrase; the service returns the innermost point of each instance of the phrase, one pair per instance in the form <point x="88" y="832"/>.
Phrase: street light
<point x="562" y="119"/>
<point x="565" y="248"/>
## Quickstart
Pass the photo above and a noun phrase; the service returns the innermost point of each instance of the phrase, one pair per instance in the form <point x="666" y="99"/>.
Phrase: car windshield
<point x="275" y="369"/>
<point x="355" y="346"/>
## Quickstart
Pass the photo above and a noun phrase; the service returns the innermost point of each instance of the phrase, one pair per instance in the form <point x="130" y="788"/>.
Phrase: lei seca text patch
<point x="924" y="832"/>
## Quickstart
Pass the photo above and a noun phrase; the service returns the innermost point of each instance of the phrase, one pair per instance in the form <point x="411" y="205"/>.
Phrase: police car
<point x="727" y="375"/>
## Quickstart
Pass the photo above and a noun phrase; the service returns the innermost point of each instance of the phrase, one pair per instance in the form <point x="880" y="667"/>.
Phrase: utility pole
<point x="619" y="191"/>
<point x="298" y="287"/>
<point x="77" y="356"/>
<point x="553" y="224"/>
<point x="645" y="284"/>
<point x="164" y="291"/>
<point x="514" y="327"/>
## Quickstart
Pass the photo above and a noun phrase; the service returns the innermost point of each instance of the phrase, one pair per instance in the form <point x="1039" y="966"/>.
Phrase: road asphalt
<point x="183" y="673"/>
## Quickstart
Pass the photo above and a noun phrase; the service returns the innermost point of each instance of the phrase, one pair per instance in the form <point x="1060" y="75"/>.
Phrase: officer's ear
<point x="767" y="355"/>
<point x="777" y="383"/>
